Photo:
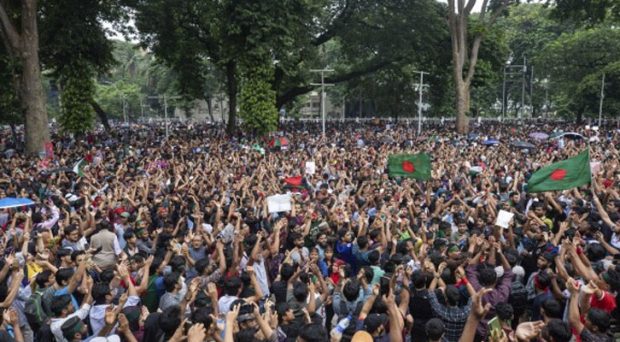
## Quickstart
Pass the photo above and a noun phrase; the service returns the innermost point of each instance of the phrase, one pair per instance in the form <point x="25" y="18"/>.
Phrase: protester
<point x="133" y="236"/>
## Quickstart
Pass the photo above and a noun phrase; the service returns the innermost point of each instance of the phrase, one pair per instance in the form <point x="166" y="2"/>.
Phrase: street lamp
<point x="323" y="85"/>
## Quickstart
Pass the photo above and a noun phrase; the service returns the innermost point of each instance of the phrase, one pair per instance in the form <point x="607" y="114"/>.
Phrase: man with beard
<point x="321" y="244"/>
<point x="300" y="254"/>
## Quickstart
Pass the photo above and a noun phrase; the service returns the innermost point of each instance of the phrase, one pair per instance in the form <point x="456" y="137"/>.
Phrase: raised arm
<point x="573" y="307"/>
<point x="478" y="311"/>
<point x="77" y="276"/>
<point x="144" y="283"/>
<point x="13" y="289"/>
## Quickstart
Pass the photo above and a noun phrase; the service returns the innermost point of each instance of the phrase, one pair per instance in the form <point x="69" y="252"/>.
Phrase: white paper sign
<point x="279" y="203"/>
<point x="503" y="218"/>
<point x="310" y="167"/>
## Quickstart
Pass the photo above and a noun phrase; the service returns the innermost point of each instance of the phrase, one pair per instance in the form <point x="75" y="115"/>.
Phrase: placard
<point x="503" y="218"/>
<point x="279" y="203"/>
<point x="310" y="167"/>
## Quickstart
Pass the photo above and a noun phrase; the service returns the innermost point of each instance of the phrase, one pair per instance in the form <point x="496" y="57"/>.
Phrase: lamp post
<point x="323" y="85"/>
<point x="420" y="87"/>
<point x="600" y="106"/>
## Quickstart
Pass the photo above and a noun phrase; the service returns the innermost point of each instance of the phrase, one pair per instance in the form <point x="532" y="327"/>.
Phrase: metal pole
<point x="344" y="103"/>
<point x="600" y="106"/>
<point x="420" y="103"/>
<point x="546" y="99"/>
<point x="523" y="88"/>
<point x="323" y="85"/>
<point x="141" y="109"/>
<point x="504" y="96"/>
<point x="124" y="109"/>
<point x="531" y="91"/>
<point x="166" y="114"/>
<point x="420" y="92"/>
<point x="323" y="100"/>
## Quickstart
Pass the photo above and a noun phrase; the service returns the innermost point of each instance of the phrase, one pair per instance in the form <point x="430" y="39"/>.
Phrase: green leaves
<point x="77" y="115"/>
<point x="10" y="110"/>
<point x="575" y="61"/>
<point x="257" y="100"/>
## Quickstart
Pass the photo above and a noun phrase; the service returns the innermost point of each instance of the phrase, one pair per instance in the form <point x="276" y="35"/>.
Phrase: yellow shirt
<point x="33" y="269"/>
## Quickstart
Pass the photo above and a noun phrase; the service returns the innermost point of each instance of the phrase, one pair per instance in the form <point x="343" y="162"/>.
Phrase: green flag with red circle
<point x="566" y="174"/>
<point x="416" y="166"/>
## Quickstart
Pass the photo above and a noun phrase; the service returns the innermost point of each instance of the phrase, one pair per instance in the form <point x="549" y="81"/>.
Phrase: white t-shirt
<point x="261" y="273"/>
<point x="97" y="314"/>
<point x="224" y="303"/>
<point x="56" y="323"/>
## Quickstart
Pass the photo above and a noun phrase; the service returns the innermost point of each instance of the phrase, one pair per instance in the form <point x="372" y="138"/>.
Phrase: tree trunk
<point x="210" y="108"/>
<point x="231" y="80"/>
<point x="32" y="99"/>
<point x="462" y="107"/>
<point x="579" y="116"/>
<point x="103" y="116"/>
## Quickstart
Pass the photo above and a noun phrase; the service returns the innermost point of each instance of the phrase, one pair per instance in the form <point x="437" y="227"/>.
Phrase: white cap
<point x="499" y="270"/>
<point x="111" y="338"/>
<point x="519" y="272"/>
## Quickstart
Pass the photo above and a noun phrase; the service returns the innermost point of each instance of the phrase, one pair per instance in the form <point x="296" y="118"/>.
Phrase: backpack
<point x="518" y="296"/>
<point x="35" y="313"/>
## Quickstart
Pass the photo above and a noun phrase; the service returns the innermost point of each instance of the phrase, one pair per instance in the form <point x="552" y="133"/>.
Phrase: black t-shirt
<point x="278" y="288"/>
<point x="588" y="336"/>
<point x="421" y="310"/>
<point x="292" y="330"/>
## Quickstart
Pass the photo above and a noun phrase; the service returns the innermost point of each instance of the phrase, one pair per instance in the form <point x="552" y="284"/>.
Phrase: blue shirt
<point x="65" y="291"/>
<point x="345" y="252"/>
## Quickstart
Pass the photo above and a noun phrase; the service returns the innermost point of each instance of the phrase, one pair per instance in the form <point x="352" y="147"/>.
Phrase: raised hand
<point x="528" y="331"/>
<point x="478" y="309"/>
<point x="123" y="323"/>
<point x="110" y="315"/>
<point x="232" y="315"/>
<point x="196" y="333"/>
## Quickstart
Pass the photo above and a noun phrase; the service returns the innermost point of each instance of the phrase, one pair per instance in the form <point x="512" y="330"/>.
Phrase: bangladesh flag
<point x="78" y="168"/>
<point x="566" y="174"/>
<point x="280" y="142"/>
<point x="416" y="166"/>
<point x="294" y="181"/>
<point x="297" y="183"/>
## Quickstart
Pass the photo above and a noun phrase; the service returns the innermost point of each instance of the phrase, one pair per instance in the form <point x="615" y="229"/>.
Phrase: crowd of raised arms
<point x="137" y="237"/>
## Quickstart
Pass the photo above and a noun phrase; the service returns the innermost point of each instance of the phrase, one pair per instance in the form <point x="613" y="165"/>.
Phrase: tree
<point x="529" y="28"/>
<point x="361" y="38"/>
<point x="576" y="62"/>
<point x="370" y="36"/>
<point x="72" y="36"/>
<point x="464" y="55"/>
<point x="10" y="113"/>
<point x="588" y="12"/>
<point x="21" y="41"/>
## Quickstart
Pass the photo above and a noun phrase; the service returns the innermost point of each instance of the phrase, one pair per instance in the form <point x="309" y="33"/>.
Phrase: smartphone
<point x="188" y="325"/>
<point x="384" y="286"/>
<point x="494" y="327"/>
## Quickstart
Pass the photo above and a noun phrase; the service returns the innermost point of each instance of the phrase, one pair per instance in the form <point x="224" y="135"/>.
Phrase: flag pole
<point x="590" y="166"/>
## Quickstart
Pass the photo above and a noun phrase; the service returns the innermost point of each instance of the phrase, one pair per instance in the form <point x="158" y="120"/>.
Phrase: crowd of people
<point x="135" y="236"/>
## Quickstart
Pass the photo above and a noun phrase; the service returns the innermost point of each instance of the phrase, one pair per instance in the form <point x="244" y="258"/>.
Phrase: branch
<point x="497" y="13"/>
<point x="347" y="76"/>
<point x="9" y="30"/>
<point x="483" y="10"/>
<point x="474" y="59"/>
<point x="469" y="6"/>
<point x="331" y="32"/>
